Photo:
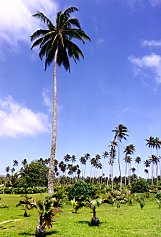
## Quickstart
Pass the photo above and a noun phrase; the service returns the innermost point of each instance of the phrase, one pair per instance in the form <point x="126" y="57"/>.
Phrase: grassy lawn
<point x="127" y="221"/>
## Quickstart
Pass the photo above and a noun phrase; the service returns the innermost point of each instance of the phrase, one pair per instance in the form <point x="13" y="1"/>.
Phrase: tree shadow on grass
<point x="89" y="223"/>
<point x="47" y="233"/>
<point x="25" y="234"/>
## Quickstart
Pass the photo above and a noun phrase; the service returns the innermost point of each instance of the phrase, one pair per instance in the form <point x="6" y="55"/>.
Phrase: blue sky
<point x="119" y="82"/>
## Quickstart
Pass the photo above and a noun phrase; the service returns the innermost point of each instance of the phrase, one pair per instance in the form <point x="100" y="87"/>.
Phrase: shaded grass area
<point x="127" y="221"/>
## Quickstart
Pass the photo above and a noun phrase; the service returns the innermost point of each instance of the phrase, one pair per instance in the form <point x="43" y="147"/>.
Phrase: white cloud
<point x="150" y="43"/>
<point x="17" y="120"/>
<point x="152" y="62"/>
<point x="16" y="21"/>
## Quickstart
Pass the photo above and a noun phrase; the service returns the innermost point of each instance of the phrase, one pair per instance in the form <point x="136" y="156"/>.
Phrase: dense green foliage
<point x="82" y="190"/>
<point x="140" y="186"/>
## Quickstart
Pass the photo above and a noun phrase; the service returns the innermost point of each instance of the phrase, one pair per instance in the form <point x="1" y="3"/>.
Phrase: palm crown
<point x="56" y="39"/>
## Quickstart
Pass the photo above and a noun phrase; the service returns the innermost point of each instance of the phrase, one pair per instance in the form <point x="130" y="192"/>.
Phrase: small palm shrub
<point x="141" y="201"/>
<point x="130" y="200"/>
<point x="27" y="203"/>
<point x="93" y="205"/>
<point x="108" y="198"/>
<point x="158" y="197"/>
<point x="46" y="211"/>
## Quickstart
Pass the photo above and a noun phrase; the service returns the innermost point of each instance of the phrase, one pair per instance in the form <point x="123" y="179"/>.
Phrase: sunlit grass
<point x="127" y="221"/>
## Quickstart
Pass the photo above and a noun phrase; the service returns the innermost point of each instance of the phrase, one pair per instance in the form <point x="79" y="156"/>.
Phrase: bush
<point x="140" y="186"/>
<point x="158" y="195"/>
<point x="80" y="194"/>
<point x="82" y="190"/>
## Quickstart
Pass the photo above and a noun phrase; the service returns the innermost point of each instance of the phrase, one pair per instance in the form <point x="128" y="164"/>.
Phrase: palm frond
<point x="40" y="206"/>
<point x="62" y="58"/>
<point x="77" y="34"/>
<point x="74" y="51"/>
<point x="38" y="34"/>
<point x="37" y="42"/>
<point x="72" y="22"/>
<point x="70" y="10"/>
<point x="50" y="54"/>
<point x="43" y="18"/>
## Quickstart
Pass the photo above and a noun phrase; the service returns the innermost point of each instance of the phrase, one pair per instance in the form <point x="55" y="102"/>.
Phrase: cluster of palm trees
<point x="108" y="159"/>
<point x="154" y="159"/>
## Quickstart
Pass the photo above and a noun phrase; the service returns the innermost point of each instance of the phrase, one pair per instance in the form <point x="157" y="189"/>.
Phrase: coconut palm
<point x="121" y="132"/>
<point x="154" y="161"/>
<point x="15" y="163"/>
<point x="128" y="160"/>
<point x="157" y="147"/>
<point x="7" y="170"/>
<point x="104" y="156"/>
<point x="157" y="144"/>
<point x="112" y="156"/>
<point x="83" y="161"/>
<point x="147" y="165"/>
<point x="133" y="169"/>
<point x="138" y="161"/>
<point x="150" y="143"/>
<point x="56" y="45"/>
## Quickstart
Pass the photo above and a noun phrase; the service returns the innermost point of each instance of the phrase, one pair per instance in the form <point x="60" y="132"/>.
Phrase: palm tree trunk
<point x="54" y="133"/>
<point x="119" y="166"/>
<point x="152" y="173"/>
<point x="112" y="176"/>
<point x="125" y="172"/>
<point x="129" y="173"/>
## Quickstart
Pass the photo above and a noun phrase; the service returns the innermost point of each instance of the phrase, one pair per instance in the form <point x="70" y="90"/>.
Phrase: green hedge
<point x="10" y="190"/>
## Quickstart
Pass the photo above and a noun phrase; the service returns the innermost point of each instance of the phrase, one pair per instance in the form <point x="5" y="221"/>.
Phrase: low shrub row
<point x="11" y="190"/>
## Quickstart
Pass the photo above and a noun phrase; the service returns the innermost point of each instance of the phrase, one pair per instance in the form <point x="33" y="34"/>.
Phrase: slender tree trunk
<point x="157" y="171"/>
<point x="138" y="170"/>
<point x="152" y="168"/>
<point x="129" y="173"/>
<point x="119" y="165"/>
<point x="112" y="176"/>
<point x="125" y="172"/>
<point x="54" y="134"/>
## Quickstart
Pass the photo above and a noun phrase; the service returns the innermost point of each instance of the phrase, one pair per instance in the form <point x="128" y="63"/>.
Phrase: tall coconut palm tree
<point x="154" y="161"/>
<point x="104" y="156"/>
<point x="121" y="132"/>
<point x="147" y="165"/>
<point x="129" y="150"/>
<point x="86" y="157"/>
<point x="112" y="156"/>
<point x="157" y="144"/>
<point x="56" y="45"/>
<point x="150" y="143"/>
<point x="146" y="172"/>
<point x="157" y="147"/>
<point x="62" y="166"/>
<point x="138" y="161"/>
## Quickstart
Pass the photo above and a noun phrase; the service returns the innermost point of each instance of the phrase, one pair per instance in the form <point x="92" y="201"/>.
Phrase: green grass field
<point x="127" y="221"/>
